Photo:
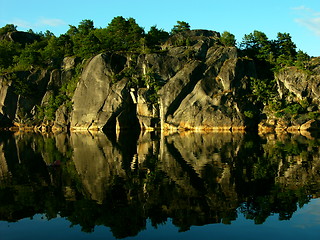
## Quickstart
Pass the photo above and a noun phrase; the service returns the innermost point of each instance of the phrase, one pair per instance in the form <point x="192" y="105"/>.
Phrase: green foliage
<point x="85" y="27"/>
<point x="275" y="105"/>
<point x="124" y="34"/>
<point x="181" y="41"/>
<point x="153" y="82"/>
<point x="8" y="51"/>
<point x="84" y="41"/>
<point x="313" y="115"/>
<point x="249" y="114"/>
<point x="8" y="28"/>
<point x="285" y="46"/>
<point x="289" y="111"/>
<point x="30" y="56"/>
<point x="228" y="39"/>
<point x="155" y="37"/>
<point x="302" y="60"/>
<point x="256" y="45"/>
<point x="62" y="97"/>
<point x="263" y="89"/>
<point x="86" y="46"/>
<point x="53" y="53"/>
<point x="293" y="109"/>
<point x="22" y="86"/>
<point x="279" y="53"/>
<point x="180" y="27"/>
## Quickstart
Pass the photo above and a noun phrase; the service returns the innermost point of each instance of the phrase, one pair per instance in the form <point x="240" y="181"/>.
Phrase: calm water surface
<point x="156" y="186"/>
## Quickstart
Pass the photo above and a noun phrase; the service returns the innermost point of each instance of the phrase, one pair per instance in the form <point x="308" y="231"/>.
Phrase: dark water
<point x="152" y="186"/>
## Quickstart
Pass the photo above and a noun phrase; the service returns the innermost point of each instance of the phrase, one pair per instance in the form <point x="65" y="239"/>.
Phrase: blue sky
<point x="300" y="18"/>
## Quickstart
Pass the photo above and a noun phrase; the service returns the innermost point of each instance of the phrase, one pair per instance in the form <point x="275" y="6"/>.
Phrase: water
<point x="156" y="186"/>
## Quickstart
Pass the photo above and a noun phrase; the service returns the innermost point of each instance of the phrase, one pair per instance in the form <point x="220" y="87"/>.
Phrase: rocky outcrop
<point x="301" y="84"/>
<point x="20" y="103"/>
<point x="200" y="94"/>
<point x="20" y="37"/>
<point x="97" y="101"/>
<point x="8" y="102"/>
<point x="193" y="83"/>
<point x="298" y="89"/>
<point x="199" y="84"/>
<point x="208" y="103"/>
<point x="19" y="108"/>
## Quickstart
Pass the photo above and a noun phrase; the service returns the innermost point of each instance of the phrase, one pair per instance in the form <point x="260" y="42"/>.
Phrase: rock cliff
<point x="199" y="88"/>
<point x="193" y="83"/>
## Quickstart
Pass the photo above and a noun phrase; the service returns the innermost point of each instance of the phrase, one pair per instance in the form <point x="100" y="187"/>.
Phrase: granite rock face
<point x="8" y="102"/>
<point x="19" y="106"/>
<point x="97" y="101"/>
<point x="193" y="83"/>
<point x="20" y="37"/>
<point x="299" y="83"/>
<point x="200" y="84"/>
<point x="19" y="109"/>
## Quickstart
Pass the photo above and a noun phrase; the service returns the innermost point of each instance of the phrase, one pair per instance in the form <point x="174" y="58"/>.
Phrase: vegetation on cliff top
<point x="85" y="41"/>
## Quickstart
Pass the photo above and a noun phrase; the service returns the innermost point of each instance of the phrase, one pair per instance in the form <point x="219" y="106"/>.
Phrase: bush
<point x="249" y="114"/>
<point x="263" y="89"/>
<point x="293" y="109"/>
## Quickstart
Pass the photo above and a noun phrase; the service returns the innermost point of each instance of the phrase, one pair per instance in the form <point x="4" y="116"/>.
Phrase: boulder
<point x="146" y="112"/>
<point x="62" y="119"/>
<point x="191" y="38"/>
<point x="177" y="88"/>
<point x="20" y="37"/>
<point x="300" y="83"/>
<point x="199" y="98"/>
<point x="98" y="100"/>
<point x="8" y="102"/>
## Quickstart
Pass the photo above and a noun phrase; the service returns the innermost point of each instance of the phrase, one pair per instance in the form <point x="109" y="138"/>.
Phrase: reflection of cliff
<point x="4" y="171"/>
<point x="97" y="162"/>
<point x="192" y="178"/>
<point x="299" y="161"/>
<point x="199" y="164"/>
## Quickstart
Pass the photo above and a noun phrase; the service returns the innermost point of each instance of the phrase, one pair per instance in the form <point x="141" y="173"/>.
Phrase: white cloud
<point x="313" y="24"/>
<point x="50" y="22"/>
<point x="21" y="23"/>
<point x="309" y="18"/>
<point x="42" y="22"/>
<point x="305" y="11"/>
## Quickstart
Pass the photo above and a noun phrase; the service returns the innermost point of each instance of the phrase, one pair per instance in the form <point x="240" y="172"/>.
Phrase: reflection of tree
<point x="268" y="187"/>
<point x="194" y="180"/>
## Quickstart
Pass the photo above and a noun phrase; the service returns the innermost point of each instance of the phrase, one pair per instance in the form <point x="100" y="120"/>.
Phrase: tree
<point x="72" y="31"/>
<point x="84" y="42"/>
<point x="8" y="28"/>
<point x="285" y="47"/>
<point x="155" y="36"/>
<point x="53" y="53"/>
<point x="124" y="34"/>
<point x="8" y="50"/>
<point x="302" y="59"/>
<point x="85" y="27"/>
<point x="228" y="39"/>
<point x="257" y="45"/>
<point x="30" y="56"/>
<point x="85" y="46"/>
<point x="180" y="27"/>
<point x="65" y="42"/>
